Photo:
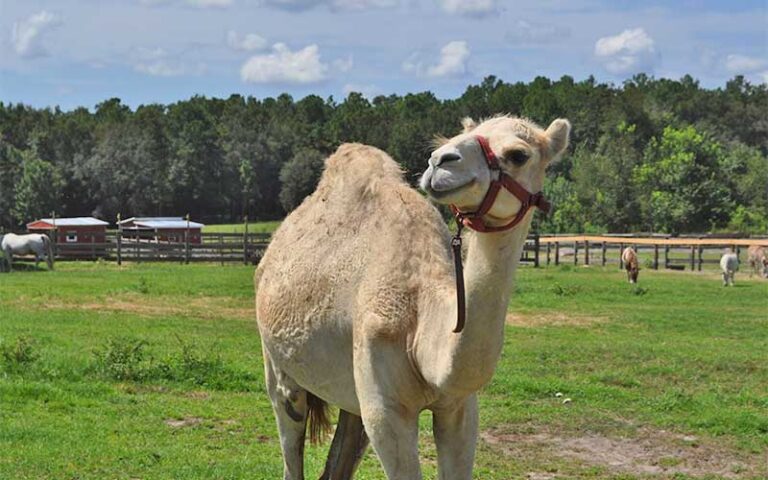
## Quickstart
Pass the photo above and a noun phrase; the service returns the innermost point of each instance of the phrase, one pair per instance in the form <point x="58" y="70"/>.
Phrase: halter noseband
<point x="475" y="221"/>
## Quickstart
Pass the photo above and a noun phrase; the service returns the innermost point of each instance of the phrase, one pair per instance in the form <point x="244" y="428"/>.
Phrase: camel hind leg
<point x="347" y="449"/>
<point x="291" y="405"/>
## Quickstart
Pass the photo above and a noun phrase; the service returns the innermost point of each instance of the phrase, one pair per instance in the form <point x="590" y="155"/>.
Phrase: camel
<point x="729" y="264"/>
<point x="631" y="264"/>
<point x="356" y="299"/>
<point x="758" y="261"/>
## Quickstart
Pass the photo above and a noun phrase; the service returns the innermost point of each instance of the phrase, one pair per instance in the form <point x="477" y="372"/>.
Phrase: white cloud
<point x="248" y="42"/>
<point x="473" y="8"/>
<point x="285" y="66"/>
<point x="158" y="63"/>
<point x="210" y="3"/>
<point x="191" y="3"/>
<point x="735" y="63"/>
<point x="452" y="62"/>
<point x="368" y="91"/>
<point x="631" y="51"/>
<point x="344" y="65"/>
<point x="344" y="5"/>
<point x="536" y="33"/>
<point x="27" y="34"/>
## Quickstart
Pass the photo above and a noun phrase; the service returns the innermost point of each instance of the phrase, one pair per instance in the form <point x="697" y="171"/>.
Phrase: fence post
<point x="221" y="248"/>
<point x="621" y="261"/>
<point x="693" y="257"/>
<point x="536" y="245"/>
<point x="186" y="243"/>
<point x="119" y="247"/>
<point x="666" y="256"/>
<point x="557" y="253"/>
<point x="549" y="250"/>
<point x="656" y="256"/>
<point x="602" y="254"/>
<point x="701" y="259"/>
<point x="245" y="242"/>
<point x="586" y="252"/>
<point x="576" y="252"/>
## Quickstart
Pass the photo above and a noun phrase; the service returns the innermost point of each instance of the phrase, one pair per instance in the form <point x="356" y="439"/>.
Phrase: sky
<point x="71" y="53"/>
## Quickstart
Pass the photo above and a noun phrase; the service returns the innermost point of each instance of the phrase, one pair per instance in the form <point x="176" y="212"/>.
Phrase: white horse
<point x="33" y="243"/>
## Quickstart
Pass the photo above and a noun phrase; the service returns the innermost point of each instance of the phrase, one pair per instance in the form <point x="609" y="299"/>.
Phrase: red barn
<point x="162" y="229"/>
<point x="77" y="230"/>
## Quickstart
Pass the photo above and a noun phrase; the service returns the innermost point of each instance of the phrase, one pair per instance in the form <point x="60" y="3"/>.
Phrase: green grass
<point x="98" y="362"/>
<point x="256" y="227"/>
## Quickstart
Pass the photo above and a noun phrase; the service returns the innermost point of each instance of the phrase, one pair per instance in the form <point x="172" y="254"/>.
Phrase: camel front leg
<point x="381" y="379"/>
<point x="455" y="437"/>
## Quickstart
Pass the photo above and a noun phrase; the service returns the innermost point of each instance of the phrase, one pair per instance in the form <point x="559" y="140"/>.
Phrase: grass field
<point x="256" y="227"/>
<point x="154" y="372"/>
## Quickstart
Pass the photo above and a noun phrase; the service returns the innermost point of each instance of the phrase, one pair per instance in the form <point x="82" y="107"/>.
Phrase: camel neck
<point x="467" y="360"/>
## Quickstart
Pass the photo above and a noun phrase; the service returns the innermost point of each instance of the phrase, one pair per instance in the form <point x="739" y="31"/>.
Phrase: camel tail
<point x="319" y="423"/>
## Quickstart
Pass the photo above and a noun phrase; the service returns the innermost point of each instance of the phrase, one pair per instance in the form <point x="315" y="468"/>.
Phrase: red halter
<point x="474" y="220"/>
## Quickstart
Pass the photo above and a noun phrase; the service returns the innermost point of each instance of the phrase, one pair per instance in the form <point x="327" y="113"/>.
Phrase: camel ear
<point x="468" y="124"/>
<point x="558" y="133"/>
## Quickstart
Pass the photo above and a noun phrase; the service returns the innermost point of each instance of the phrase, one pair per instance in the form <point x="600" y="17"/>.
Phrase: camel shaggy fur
<point x="356" y="300"/>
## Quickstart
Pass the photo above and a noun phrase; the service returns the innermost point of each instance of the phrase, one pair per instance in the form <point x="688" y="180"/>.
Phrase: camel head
<point x="459" y="175"/>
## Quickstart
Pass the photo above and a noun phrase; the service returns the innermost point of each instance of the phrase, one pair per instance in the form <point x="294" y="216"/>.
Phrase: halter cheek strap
<point x="475" y="221"/>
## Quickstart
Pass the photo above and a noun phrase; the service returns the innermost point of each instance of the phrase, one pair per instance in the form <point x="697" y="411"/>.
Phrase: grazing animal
<point x="758" y="261"/>
<point x="729" y="264"/>
<point x="32" y="243"/>
<point x="356" y="299"/>
<point x="631" y="264"/>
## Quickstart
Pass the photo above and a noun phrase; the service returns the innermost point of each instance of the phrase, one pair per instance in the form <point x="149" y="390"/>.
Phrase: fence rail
<point x="679" y="253"/>
<point x="147" y="246"/>
<point x="655" y="252"/>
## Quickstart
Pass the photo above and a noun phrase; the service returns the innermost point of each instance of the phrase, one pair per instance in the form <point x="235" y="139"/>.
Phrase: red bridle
<point x="475" y="221"/>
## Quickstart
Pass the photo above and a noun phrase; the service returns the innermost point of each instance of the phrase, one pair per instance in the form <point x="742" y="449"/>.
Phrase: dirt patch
<point x="650" y="452"/>
<point x="197" y="395"/>
<point x="184" y="422"/>
<point x="552" y="319"/>
<point x="196" y="307"/>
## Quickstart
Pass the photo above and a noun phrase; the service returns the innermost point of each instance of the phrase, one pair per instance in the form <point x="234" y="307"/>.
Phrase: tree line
<point x="651" y="154"/>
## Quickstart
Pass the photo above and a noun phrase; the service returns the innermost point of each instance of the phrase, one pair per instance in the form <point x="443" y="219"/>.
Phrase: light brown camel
<point x="758" y="261"/>
<point x="631" y="264"/>
<point x="356" y="300"/>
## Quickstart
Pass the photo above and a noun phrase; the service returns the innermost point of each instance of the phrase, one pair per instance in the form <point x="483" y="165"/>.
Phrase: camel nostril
<point x="448" y="157"/>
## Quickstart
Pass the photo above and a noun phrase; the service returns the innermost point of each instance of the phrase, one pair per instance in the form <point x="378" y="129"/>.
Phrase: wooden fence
<point x="146" y="247"/>
<point x="655" y="252"/>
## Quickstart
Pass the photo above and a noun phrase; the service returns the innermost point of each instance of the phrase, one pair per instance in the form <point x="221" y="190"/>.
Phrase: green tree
<point x="38" y="189"/>
<point x="679" y="184"/>
<point x="299" y="177"/>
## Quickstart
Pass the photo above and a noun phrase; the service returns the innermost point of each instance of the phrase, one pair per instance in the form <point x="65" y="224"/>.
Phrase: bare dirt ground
<point x="136" y="304"/>
<point x="552" y="319"/>
<point x="650" y="453"/>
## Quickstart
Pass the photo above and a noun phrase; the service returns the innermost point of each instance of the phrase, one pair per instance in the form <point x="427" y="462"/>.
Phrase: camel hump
<point x="360" y="165"/>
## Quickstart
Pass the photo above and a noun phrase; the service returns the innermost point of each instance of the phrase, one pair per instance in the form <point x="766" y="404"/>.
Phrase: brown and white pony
<point x="758" y="261"/>
<point x="631" y="264"/>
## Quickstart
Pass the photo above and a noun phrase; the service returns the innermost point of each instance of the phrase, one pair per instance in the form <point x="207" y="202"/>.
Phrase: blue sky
<point x="79" y="52"/>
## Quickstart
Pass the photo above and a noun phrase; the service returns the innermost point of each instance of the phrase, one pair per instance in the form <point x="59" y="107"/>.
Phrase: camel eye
<point x="516" y="157"/>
